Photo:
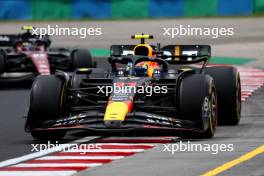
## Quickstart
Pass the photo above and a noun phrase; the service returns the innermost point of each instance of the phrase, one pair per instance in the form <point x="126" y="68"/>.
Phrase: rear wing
<point x="168" y="52"/>
<point x="185" y="52"/>
<point x="7" y="40"/>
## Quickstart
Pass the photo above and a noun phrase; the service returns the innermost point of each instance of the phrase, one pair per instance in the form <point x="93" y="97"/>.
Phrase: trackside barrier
<point x="116" y="9"/>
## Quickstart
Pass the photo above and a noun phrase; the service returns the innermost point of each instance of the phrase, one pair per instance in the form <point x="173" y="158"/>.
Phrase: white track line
<point x="41" y="153"/>
<point x="37" y="173"/>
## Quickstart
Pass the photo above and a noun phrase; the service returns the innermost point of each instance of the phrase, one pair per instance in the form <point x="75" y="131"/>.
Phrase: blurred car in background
<point x="24" y="56"/>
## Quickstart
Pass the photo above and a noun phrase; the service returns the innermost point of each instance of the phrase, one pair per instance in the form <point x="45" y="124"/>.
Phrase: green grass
<point x="100" y="52"/>
<point x="230" y="60"/>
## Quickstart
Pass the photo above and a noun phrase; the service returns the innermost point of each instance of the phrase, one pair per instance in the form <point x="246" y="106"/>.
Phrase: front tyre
<point x="198" y="103"/>
<point x="46" y="103"/>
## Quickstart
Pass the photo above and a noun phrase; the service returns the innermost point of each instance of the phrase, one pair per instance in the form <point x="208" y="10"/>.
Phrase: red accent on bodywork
<point x="129" y="105"/>
<point x="119" y="84"/>
<point x="132" y="84"/>
<point x="41" y="62"/>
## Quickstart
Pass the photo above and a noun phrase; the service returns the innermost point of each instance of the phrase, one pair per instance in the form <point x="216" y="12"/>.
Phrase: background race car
<point x="25" y="55"/>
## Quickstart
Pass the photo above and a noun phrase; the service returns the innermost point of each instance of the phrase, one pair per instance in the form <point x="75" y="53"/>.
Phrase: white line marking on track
<point x="41" y="153"/>
<point x="37" y="173"/>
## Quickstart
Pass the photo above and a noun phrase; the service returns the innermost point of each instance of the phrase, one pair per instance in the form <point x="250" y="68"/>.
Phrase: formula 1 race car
<point x="24" y="56"/>
<point x="153" y="89"/>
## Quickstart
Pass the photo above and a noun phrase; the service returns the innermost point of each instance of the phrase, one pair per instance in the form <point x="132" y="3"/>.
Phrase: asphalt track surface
<point x="247" y="42"/>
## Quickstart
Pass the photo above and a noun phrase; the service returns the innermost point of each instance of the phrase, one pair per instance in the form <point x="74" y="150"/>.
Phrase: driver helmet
<point x="145" y="68"/>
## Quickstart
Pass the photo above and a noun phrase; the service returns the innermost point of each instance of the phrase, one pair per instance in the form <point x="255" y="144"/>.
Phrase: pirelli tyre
<point x="46" y="103"/>
<point x="198" y="103"/>
<point x="82" y="58"/>
<point x="228" y="87"/>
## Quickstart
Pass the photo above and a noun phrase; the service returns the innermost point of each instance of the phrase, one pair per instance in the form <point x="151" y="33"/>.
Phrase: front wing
<point x="135" y="121"/>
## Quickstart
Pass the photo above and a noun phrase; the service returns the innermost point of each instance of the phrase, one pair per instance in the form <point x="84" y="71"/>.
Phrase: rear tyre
<point x="228" y="87"/>
<point x="82" y="58"/>
<point x="198" y="103"/>
<point x="46" y="103"/>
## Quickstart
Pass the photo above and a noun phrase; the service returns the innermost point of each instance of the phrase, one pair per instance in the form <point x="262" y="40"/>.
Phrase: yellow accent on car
<point x="177" y="52"/>
<point x="145" y="36"/>
<point x="83" y="69"/>
<point x="62" y="95"/>
<point x="185" y="69"/>
<point x="150" y="71"/>
<point x="116" y="111"/>
<point x="27" y="28"/>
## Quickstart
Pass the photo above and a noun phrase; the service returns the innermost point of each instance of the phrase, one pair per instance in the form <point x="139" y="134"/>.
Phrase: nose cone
<point x="116" y="111"/>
